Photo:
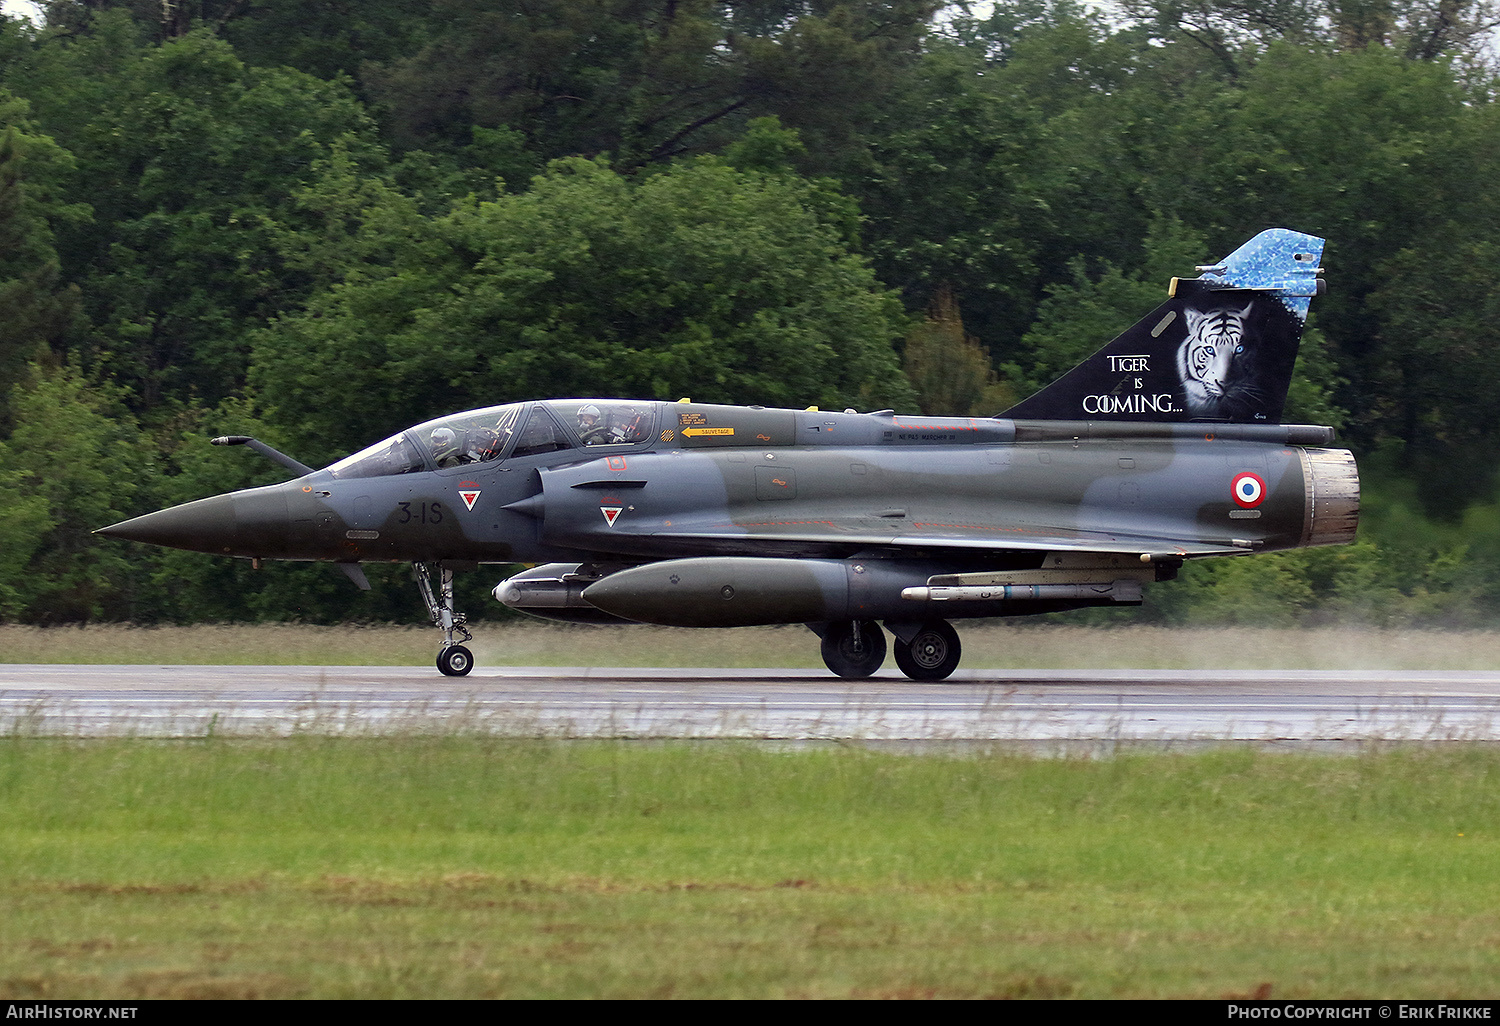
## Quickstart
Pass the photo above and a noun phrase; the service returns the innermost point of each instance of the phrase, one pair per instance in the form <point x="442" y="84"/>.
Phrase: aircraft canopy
<point x="515" y="429"/>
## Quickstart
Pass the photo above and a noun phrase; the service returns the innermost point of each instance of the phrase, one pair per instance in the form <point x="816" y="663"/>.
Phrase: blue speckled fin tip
<point x="1278" y="259"/>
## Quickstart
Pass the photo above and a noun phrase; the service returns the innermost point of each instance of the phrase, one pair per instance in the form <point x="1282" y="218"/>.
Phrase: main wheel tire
<point x="839" y="652"/>
<point x="455" y="661"/>
<point x="933" y="652"/>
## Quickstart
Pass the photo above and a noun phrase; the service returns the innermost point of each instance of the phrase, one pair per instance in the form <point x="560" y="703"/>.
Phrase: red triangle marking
<point x="610" y="513"/>
<point x="469" y="496"/>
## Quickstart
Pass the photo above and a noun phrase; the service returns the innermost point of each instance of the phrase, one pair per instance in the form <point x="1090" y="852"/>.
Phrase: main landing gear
<point x="453" y="659"/>
<point x="931" y="652"/>
<point x="855" y="649"/>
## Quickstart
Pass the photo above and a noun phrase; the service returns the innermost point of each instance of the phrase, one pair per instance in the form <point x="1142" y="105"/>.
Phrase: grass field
<point x="470" y="867"/>
<point x="462" y="866"/>
<point x="986" y="645"/>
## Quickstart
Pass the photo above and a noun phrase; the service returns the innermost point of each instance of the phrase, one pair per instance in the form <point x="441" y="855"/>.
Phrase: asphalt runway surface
<point x="1024" y="706"/>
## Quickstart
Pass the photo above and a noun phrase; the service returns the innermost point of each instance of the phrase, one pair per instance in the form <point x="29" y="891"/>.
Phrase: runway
<point x="1024" y="706"/>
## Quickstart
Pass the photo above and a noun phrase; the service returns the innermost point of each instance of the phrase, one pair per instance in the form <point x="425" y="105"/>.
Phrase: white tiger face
<point x="1206" y="359"/>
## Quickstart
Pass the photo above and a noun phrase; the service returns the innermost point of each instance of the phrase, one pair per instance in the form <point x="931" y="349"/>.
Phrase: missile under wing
<point x="1165" y="445"/>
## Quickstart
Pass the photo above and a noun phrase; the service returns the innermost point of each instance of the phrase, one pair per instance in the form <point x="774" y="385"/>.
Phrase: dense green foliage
<point x="321" y="223"/>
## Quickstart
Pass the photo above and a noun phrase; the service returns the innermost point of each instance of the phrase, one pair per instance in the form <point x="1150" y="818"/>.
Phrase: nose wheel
<point x="932" y="653"/>
<point x="453" y="659"/>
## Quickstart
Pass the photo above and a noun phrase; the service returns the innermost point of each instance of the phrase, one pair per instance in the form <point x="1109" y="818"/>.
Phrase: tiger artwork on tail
<point x="1221" y="349"/>
<point x="1213" y="364"/>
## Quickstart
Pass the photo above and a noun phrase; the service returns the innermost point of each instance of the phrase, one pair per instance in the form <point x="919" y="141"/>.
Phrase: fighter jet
<point x="1165" y="445"/>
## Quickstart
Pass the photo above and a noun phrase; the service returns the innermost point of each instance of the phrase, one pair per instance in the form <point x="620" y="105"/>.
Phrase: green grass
<point x="462" y="867"/>
<point x="986" y="645"/>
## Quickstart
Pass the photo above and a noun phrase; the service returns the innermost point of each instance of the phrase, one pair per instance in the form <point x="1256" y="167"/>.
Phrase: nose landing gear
<point x="453" y="659"/>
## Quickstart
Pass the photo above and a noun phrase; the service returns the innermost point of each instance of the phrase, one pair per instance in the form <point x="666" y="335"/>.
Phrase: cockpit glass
<point x="608" y="422"/>
<point x="540" y="435"/>
<point x="395" y="455"/>
<point x="477" y="436"/>
<point x="480" y="436"/>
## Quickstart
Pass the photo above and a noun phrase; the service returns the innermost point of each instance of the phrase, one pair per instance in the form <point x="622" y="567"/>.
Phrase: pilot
<point x="445" y="450"/>
<point x="589" y="428"/>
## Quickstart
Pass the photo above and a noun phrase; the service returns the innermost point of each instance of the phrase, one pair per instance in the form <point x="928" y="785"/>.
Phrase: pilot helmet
<point x="443" y="438"/>
<point x="589" y="410"/>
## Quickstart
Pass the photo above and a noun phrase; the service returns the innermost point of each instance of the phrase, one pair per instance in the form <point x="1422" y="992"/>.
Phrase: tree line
<point x="319" y="223"/>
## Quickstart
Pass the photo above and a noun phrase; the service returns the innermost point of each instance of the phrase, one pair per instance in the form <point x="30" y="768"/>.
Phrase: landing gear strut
<point x="931" y="653"/>
<point x="453" y="659"/>
<point x="853" y="648"/>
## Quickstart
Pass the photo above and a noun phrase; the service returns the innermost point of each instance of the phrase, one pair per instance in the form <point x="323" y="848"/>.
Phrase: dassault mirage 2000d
<point x="1165" y="445"/>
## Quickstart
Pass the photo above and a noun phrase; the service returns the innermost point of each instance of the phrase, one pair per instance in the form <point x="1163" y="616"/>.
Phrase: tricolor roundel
<point x="1249" y="489"/>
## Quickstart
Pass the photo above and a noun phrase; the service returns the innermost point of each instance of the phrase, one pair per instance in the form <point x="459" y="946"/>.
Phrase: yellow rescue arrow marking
<point x="708" y="431"/>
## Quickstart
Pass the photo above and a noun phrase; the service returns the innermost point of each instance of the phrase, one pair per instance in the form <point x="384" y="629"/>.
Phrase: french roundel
<point x="1249" y="489"/>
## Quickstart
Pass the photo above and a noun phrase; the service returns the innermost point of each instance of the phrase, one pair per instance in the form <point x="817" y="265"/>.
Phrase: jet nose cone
<point x="207" y="525"/>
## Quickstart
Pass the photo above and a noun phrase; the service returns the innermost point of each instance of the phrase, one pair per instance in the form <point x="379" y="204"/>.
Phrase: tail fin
<point x="1220" y="349"/>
